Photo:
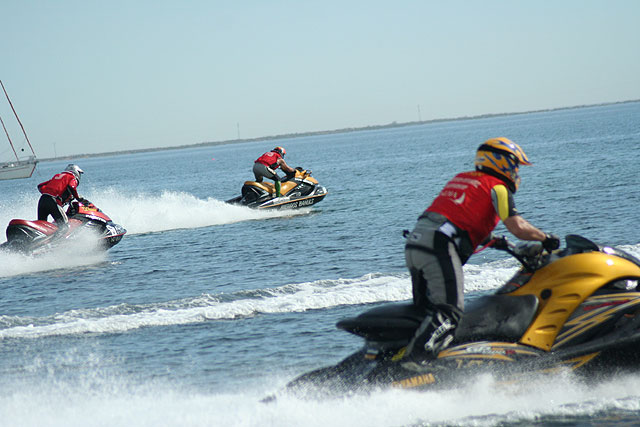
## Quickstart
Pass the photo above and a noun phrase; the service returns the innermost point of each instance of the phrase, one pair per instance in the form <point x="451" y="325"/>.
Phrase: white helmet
<point x="75" y="170"/>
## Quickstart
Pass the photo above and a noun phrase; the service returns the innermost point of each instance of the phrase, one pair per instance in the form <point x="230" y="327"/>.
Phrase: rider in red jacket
<point x="57" y="192"/>
<point x="462" y="216"/>
<point x="267" y="164"/>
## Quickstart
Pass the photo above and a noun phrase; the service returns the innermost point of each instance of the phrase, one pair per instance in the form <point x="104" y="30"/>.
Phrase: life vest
<point x="466" y="202"/>
<point x="269" y="159"/>
<point x="62" y="186"/>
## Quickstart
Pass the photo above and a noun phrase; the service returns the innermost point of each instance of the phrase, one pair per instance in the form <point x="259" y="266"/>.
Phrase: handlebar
<point x="529" y="253"/>
<point x="74" y="206"/>
<point x="291" y="175"/>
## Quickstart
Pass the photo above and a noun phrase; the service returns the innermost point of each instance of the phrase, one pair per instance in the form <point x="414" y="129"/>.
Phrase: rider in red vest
<point x="267" y="164"/>
<point x="57" y="192"/>
<point x="461" y="217"/>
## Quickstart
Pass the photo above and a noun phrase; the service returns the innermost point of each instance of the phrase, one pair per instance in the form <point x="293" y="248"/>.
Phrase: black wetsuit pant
<point x="47" y="205"/>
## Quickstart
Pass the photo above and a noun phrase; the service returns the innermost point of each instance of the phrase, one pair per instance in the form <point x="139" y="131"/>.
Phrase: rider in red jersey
<point x="461" y="217"/>
<point x="57" y="192"/>
<point x="266" y="165"/>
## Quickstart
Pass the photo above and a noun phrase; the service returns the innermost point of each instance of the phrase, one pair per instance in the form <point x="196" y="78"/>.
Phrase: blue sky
<point x="94" y="76"/>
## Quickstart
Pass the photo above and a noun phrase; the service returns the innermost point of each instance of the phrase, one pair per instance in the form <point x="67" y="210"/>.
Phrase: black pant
<point x="47" y="205"/>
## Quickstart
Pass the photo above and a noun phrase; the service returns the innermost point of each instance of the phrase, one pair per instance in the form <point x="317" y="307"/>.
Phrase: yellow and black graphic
<point x="416" y="381"/>
<point x="573" y="363"/>
<point x="488" y="350"/>
<point x="599" y="309"/>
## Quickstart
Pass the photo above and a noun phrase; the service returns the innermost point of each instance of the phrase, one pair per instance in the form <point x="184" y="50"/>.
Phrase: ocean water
<point x="203" y="308"/>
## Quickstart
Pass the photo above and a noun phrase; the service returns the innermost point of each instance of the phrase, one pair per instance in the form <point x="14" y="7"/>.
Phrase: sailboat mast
<point x="18" y="119"/>
<point x="9" y="138"/>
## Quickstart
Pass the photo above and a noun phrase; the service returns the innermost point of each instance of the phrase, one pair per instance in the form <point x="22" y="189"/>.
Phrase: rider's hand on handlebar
<point x="551" y="242"/>
<point x="500" y="242"/>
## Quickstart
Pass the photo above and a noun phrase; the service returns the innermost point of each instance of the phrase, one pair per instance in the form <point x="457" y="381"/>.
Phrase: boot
<point x="434" y="335"/>
<point x="277" y="186"/>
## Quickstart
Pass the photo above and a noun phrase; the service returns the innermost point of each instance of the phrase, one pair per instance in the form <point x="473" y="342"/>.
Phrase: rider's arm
<point x="505" y="208"/>
<point x="285" y="167"/>
<point x="72" y="187"/>
<point x="523" y="229"/>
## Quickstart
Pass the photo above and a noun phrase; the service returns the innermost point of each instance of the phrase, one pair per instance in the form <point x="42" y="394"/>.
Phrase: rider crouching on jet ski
<point x="56" y="193"/>
<point x="460" y="218"/>
<point x="267" y="164"/>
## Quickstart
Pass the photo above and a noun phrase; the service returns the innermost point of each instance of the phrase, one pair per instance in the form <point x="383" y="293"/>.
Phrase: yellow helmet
<point x="503" y="157"/>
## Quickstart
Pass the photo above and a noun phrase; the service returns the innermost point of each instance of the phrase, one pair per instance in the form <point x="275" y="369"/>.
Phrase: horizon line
<point x="326" y="132"/>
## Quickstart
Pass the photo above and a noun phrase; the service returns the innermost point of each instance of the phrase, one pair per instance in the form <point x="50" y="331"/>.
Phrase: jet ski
<point x="576" y="309"/>
<point x="31" y="237"/>
<point x="298" y="190"/>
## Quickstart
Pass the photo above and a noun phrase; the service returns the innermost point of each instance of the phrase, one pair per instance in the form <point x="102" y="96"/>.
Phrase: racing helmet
<point x="75" y="170"/>
<point x="280" y="150"/>
<point x="501" y="157"/>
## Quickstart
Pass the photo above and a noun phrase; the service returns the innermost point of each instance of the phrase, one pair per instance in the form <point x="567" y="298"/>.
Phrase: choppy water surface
<point x="205" y="308"/>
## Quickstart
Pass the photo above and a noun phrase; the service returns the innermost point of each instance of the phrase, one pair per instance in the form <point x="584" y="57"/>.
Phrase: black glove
<point x="500" y="243"/>
<point x="551" y="242"/>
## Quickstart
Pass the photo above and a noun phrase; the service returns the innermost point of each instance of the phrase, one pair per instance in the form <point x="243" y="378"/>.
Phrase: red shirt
<point x="269" y="159"/>
<point x="62" y="186"/>
<point x="466" y="201"/>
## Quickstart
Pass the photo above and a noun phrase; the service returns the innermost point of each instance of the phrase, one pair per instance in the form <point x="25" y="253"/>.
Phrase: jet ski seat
<point x="494" y="317"/>
<point x="266" y="186"/>
<point x="497" y="317"/>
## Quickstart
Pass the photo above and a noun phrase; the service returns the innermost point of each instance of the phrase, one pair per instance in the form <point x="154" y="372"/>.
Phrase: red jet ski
<point x="27" y="236"/>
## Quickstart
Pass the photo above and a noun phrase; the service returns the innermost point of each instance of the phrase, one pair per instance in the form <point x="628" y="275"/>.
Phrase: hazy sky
<point x="93" y="76"/>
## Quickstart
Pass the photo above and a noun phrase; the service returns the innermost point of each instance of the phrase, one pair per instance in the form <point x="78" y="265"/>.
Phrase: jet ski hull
<point x="283" y="202"/>
<point x="505" y="362"/>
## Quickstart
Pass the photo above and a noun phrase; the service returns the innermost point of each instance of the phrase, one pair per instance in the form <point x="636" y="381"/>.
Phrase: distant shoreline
<point x="325" y="132"/>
